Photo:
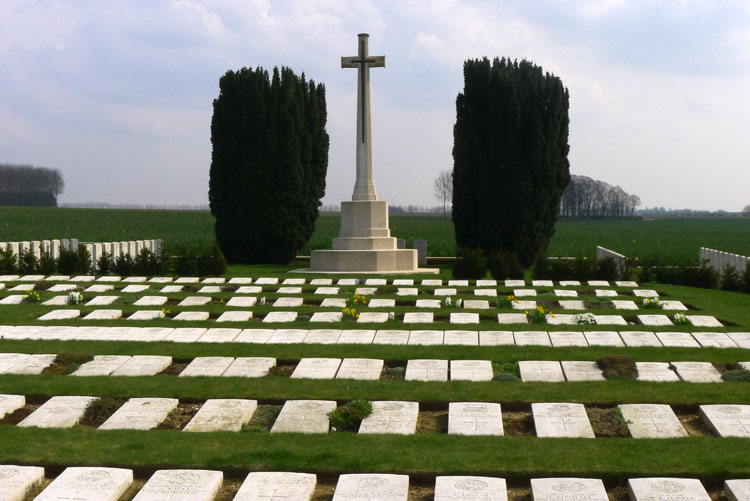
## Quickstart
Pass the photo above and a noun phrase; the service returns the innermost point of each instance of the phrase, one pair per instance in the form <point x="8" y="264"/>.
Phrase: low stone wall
<point x="96" y="249"/>
<point x="717" y="259"/>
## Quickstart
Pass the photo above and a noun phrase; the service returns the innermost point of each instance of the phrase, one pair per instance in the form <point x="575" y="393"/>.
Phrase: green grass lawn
<point x="667" y="238"/>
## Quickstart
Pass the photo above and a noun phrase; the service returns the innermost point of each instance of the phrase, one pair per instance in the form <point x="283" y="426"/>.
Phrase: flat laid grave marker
<point x="532" y="338"/>
<point x="398" y="418"/>
<point x="59" y="314"/>
<point x="703" y="321"/>
<point x="235" y="316"/>
<point x="496" y="338"/>
<point x="16" y="482"/>
<point x="304" y="416"/>
<point x="103" y="315"/>
<point x="101" y="365"/>
<point x="428" y="303"/>
<point x="655" y="320"/>
<point x="151" y="301"/>
<point x="475" y="418"/>
<point x="10" y="403"/>
<point x="358" y="336"/>
<point x="256" y="336"/>
<point x="664" y="489"/>
<point x="8" y="360"/>
<point x="13" y="299"/>
<point x="548" y="371"/>
<point x="250" y="367"/>
<point x="174" y="485"/>
<point x="415" y="317"/>
<point x="280" y="317"/>
<point x="326" y="316"/>
<point x="568" y="489"/>
<point x="249" y="289"/>
<point x="272" y="486"/>
<point x="58" y="412"/>
<point x="652" y="421"/>
<point x="624" y="304"/>
<point x="322" y="336"/>
<point x="222" y="415"/>
<point x="332" y="302"/>
<point x="737" y="490"/>
<point x="459" y="337"/>
<point x="140" y="414"/>
<point x="581" y="371"/>
<point x="88" y="484"/>
<point x="727" y="420"/>
<point x="512" y="318"/>
<point x="564" y="338"/>
<point x="697" y="372"/>
<point x="207" y="366"/>
<point x="195" y="301"/>
<point x="316" y="368"/>
<point x="639" y="338"/>
<point x="677" y="339"/>
<point x="426" y="337"/>
<point x="471" y="370"/>
<point x="143" y="365"/>
<point x="219" y="335"/>
<point x="572" y="304"/>
<point x="360" y="368"/>
<point x="380" y="303"/>
<point x="373" y="486"/>
<point x="714" y="339"/>
<point x="426" y="370"/>
<point x="146" y="315"/>
<point x="561" y="420"/>
<point x="655" y="371"/>
<point x="399" y="337"/>
<point x="132" y="289"/>
<point x="470" y="488"/>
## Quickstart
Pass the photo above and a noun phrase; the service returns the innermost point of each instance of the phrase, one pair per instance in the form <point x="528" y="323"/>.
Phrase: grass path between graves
<point x="514" y="457"/>
<point x="276" y="389"/>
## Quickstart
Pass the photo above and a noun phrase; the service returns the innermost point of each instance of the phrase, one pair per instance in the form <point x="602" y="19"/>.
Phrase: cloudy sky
<point x="118" y="94"/>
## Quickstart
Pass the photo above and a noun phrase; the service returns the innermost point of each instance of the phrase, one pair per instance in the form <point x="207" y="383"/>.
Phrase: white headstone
<point x="567" y="338"/>
<point x="639" y="338"/>
<point x="10" y="403"/>
<point x="532" y="338"/>
<point x="317" y="368"/>
<point x="280" y="317"/>
<point x="426" y="370"/>
<point x="195" y="301"/>
<point x="652" y="421"/>
<point x="426" y="338"/>
<point x="287" y="336"/>
<point x="727" y="420"/>
<point x="372" y="486"/>
<point x="16" y="482"/>
<point x="250" y="367"/>
<point x="697" y="372"/>
<point x="270" y="486"/>
<point x="416" y="317"/>
<point x="58" y="412"/>
<point x="207" y="366"/>
<point x="360" y="368"/>
<point x="496" y="338"/>
<point x="101" y="365"/>
<point x="143" y="365"/>
<point x="88" y="484"/>
<point x="547" y="371"/>
<point x="681" y="339"/>
<point x="655" y="371"/>
<point x="390" y="336"/>
<point x="181" y="485"/>
<point x="391" y="417"/>
<point x="140" y="414"/>
<point x="322" y="336"/>
<point x="151" y="301"/>
<point x="737" y="490"/>
<point x="568" y="489"/>
<point x="667" y="489"/>
<point x="470" y="489"/>
<point x="474" y="418"/>
<point x="581" y="371"/>
<point x="59" y="314"/>
<point x="192" y="316"/>
<point x="304" y="416"/>
<point x="222" y="415"/>
<point x="103" y="315"/>
<point x="561" y="420"/>
<point x="471" y="370"/>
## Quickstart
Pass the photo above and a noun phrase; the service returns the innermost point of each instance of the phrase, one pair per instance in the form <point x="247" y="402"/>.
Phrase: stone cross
<point x="364" y="187"/>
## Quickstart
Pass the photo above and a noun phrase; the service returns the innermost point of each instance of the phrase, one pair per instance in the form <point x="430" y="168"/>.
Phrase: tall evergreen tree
<point x="268" y="165"/>
<point x="510" y="157"/>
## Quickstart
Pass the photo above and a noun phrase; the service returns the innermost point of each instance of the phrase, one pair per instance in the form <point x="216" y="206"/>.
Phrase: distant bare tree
<point x="746" y="210"/>
<point x="443" y="188"/>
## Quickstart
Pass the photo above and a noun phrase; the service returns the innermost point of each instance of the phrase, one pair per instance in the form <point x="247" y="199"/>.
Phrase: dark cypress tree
<point x="510" y="157"/>
<point x="268" y="165"/>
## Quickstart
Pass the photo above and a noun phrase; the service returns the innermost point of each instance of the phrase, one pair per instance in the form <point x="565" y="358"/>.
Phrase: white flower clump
<point x="680" y="319"/>
<point x="447" y="302"/>
<point x="585" y="319"/>
<point x="391" y="315"/>
<point x="262" y="301"/>
<point x="74" y="298"/>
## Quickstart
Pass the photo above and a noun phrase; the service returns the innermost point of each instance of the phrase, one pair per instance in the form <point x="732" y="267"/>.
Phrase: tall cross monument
<point x="364" y="244"/>
<point x="364" y="187"/>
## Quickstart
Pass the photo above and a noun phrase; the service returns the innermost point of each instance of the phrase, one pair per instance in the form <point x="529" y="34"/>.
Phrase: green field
<point x="666" y="238"/>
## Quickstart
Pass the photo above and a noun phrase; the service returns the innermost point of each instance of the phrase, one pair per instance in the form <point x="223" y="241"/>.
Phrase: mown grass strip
<point x="511" y="457"/>
<point x="277" y="388"/>
<point x="393" y="353"/>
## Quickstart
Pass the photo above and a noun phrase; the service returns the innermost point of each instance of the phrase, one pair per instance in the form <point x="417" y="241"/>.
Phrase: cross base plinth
<point x="365" y="244"/>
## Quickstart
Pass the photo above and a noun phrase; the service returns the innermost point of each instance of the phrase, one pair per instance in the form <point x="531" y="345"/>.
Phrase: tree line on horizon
<point x="29" y="185"/>
<point x="587" y="197"/>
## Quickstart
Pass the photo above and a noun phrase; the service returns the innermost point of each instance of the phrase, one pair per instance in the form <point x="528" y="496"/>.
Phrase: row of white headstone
<point x="96" y="249"/>
<point x="719" y="259"/>
<point x="103" y="484"/>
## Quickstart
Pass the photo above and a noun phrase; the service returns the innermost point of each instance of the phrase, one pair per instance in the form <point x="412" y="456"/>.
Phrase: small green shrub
<point x="389" y="289"/>
<point x="84" y="263"/>
<point x="8" y="261"/>
<point x="184" y="261"/>
<point x="347" y="417"/>
<point x="740" y="375"/>
<point x="67" y="262"/>
<point x="745" y="285"/>
<point x="617" y="367"/>
<point x="68" y="358"/>
<point x="28" y="263"/>
<point x="124" y="265"/>
<point x="608" y="269"/>
<point x="471" y="264"/>
<point x="105" y="264"/>
<point x="147" y="263"/>
<point x="100" y="410"/>
<point x="211" y="263"/>
<point x="47" y="264"/>
<point x="730" y="278"/>
<point x="505" y="265"/>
